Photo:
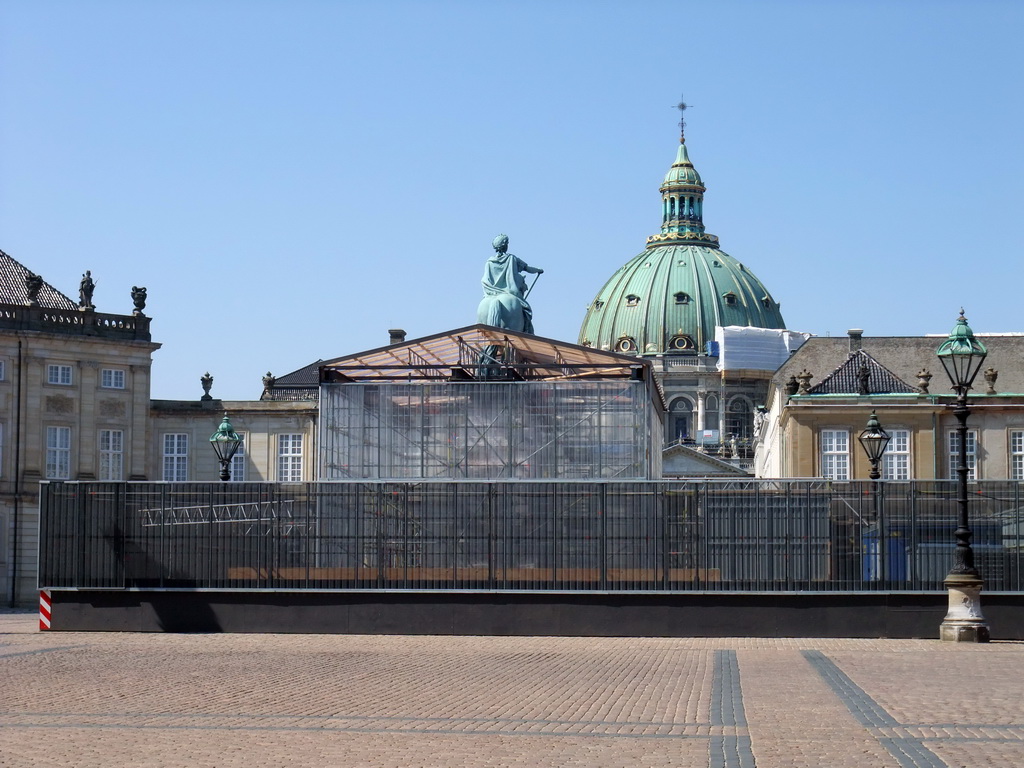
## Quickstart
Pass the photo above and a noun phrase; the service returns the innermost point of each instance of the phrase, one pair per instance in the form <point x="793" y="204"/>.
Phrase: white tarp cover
<point x="758" y="349"/>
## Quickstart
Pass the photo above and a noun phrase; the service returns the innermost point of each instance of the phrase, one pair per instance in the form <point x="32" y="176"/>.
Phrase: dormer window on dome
<point x="730" y="299"/>
<point x="682" y="298"/>
<point x="766" y="302"/>
<point x="626" y="344"/>
<point x="632" y="300"/>
<point x="598" y="304"/>
<point x="681" y="343"/>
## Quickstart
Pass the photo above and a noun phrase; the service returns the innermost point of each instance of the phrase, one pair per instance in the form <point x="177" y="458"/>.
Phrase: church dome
<point x="670" y="297"/>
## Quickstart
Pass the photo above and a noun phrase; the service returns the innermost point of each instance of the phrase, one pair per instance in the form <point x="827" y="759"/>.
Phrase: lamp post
<point x="225" y="442"/>
<point x="962" y="356"/>
<point x="875" y="440"/>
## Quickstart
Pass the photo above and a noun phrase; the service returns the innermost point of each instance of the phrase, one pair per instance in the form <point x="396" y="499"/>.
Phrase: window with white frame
<point x="835" y="454"/>
<point x="1017" y="454"/>
<point x="237" y="468"/>
<point x="111" y="454"/>
<point x="896" y="459"/>
<point x="58" y="453"/>
<point x="972" y="453"/>
<point x="175" y="457"/>
<point x="289" y="458"/>
<point x="58" y="374"/>
<point x="112" y="378"/>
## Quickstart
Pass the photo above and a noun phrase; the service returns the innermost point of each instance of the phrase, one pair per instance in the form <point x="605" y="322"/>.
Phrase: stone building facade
<point x="74" y="405"/>
<point x="821" y="398"/>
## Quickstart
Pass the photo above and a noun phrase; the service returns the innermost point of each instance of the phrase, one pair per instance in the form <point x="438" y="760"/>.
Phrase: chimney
<point x="856" y="338"/>
<point x="397" y="335"/>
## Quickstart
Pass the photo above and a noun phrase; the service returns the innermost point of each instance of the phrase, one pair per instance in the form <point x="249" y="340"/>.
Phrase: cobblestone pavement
<point x="82" y="699"/>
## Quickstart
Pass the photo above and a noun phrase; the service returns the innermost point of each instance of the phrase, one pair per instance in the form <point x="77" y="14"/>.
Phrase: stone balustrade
<point x="74" y="321"/>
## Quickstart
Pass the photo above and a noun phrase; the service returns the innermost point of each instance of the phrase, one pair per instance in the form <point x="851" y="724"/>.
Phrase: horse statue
<point x="504" y="303"/>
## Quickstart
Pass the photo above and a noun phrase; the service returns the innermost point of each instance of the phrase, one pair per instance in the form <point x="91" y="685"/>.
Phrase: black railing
<point x="750" y="535"/>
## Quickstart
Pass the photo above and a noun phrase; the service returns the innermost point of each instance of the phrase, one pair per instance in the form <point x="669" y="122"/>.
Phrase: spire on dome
<point x="682" y="106"/>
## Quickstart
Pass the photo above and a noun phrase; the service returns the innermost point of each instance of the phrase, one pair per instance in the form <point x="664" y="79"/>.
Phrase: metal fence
<point x="757" y="535"/>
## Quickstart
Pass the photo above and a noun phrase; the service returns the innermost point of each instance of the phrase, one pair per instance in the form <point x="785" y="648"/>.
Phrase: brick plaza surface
<point x="113" y="699"/>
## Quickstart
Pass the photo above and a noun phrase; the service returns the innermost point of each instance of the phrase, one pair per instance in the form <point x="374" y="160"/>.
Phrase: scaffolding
<point x="568" y="429"/>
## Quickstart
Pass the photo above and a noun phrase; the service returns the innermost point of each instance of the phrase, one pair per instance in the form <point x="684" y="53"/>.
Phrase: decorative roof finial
<point x="682" y="106"/>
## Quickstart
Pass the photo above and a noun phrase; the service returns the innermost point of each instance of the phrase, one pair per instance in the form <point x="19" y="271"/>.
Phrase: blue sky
<point x="292" y="179"/>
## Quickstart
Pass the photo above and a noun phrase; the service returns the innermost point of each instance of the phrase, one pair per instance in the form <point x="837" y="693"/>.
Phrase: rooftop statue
<point x="33" y="284"/>
<point x="504" y="304"/>
<point x="85" y="291"/>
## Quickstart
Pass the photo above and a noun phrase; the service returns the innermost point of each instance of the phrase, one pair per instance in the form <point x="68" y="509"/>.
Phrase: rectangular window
<point x="1017" y="454"/>
<point x="896" y="459"/>
<point x="972" y="451"/>
<point x="289" y="458"/>
<point x="58" y="453"/>
<point x="58" y="374"/>
<point x="237" y="468"/>
<point x="3" y="370"/>
<point x="112" y="378"/>
<point x="1" y="449"/>
<point x="111" y="454"/>
<point x="835" y="454"/>
<point x="175" y="457"/>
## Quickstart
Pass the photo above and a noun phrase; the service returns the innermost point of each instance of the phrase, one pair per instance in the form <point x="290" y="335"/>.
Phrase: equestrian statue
<point x="504" y="303"/>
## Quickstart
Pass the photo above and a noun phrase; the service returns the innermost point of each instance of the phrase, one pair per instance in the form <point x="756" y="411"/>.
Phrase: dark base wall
<point x="569" y="614"/>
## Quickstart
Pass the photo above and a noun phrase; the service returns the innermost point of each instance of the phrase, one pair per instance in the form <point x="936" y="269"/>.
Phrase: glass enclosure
<point x="486" y="430"/>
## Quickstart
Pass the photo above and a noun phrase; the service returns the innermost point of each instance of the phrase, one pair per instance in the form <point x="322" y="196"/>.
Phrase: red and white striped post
<point x="44" y="610"/>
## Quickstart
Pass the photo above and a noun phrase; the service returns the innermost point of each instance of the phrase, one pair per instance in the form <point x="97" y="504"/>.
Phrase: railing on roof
<point x="77" y="322"/>
<point x="686" y="362"/>
<point x="731" y="536"/>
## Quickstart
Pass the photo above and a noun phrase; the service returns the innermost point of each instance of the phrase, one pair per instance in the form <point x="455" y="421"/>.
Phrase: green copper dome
<point x="670" y="297"/>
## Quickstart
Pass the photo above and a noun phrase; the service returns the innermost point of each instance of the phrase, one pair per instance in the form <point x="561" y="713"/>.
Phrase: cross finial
<point x="682" y="106"/>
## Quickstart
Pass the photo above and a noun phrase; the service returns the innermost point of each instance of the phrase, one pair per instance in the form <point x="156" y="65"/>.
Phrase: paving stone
<point x="120" y="699"/>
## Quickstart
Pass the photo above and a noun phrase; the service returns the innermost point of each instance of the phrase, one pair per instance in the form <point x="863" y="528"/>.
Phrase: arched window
<point x="730" y="299"/>
<point x="632" y="300"/>
<point x="682" y="298"/>
<point x="740" y="419"/>
<point x="680" y="416"/>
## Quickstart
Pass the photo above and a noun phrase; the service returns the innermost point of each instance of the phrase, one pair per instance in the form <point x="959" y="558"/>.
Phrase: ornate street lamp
<point x="874" y="440"/>
<point x="962" y="356"/>
<point x="225" y="442"/>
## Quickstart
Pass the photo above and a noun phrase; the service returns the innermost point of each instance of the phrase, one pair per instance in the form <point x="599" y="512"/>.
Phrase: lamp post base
<point x="964" y="622"/>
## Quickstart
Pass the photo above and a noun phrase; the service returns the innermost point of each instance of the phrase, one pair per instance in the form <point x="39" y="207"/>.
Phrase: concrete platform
<point x="594" y="614"/>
